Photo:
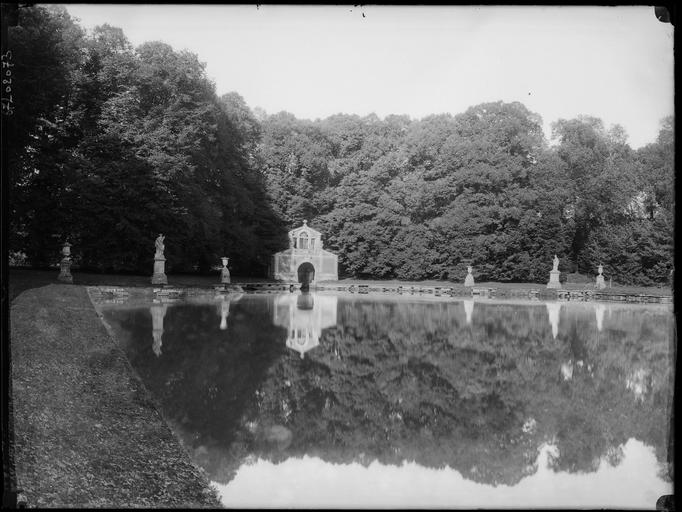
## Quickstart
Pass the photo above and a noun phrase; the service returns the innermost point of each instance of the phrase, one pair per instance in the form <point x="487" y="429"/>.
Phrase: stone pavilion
<point x="305" y="261"/>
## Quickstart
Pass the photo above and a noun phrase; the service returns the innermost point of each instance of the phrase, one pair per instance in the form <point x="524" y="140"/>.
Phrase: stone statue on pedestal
<point x="600" y="284"/>
<point x="469" y="279"/>
<point x="159" y="276"/>
<point x="554" y="274"/>
<point x="65" y="264"/>
<point x="159" y="246"/>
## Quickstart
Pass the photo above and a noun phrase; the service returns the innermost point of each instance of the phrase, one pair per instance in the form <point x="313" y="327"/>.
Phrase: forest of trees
<point x="113" y="144"/>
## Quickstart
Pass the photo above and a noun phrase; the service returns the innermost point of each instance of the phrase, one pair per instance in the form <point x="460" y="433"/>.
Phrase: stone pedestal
<point x="554" y="279"/>
<point x="600" y="284"/>
<point x="159" y="276"/>
<point x="65" y="270"/>
<point x="224" y="276"/>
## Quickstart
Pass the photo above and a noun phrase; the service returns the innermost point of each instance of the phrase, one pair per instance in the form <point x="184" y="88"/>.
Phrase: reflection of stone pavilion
<point x="305" y="260"/>
<point x="304" y="316"/>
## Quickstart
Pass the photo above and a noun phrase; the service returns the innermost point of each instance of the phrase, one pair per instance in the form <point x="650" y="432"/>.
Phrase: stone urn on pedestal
<point x="159" y="276"/>
<point x="554" y="275"/>
<point x="600" y="284"/>
<point x="224" y="272"/>
<point x="65" y="264"/>
<point x="469" y="279"/>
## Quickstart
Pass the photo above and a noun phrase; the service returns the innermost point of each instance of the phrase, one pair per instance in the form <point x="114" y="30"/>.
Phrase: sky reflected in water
<point x="319" y="400"/>
<point x="312" y="482"/>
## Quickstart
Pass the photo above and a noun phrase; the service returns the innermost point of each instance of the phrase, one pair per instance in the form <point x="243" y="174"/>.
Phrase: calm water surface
<point x="321" y="400"/>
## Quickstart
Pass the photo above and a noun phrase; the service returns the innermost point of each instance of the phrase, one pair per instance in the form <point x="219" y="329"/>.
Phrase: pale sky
<point x="615" y="63"/>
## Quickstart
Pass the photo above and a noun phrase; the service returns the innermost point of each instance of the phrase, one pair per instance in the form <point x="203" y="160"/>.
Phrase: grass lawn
<point x="87" y="433"/>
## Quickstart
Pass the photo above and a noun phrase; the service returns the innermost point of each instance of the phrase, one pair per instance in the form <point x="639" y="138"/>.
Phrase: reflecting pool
<point x="323" y="400"/>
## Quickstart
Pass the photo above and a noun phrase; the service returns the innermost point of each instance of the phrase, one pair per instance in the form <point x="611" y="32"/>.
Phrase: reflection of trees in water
<point x="207" y="377"/>
<point x="581" y="443"/>
<point x="423" y="386"/>
<point x="395" y="381"/>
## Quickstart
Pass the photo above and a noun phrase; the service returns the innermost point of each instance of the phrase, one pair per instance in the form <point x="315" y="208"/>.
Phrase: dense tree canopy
<point x="417" y="199"/>
<point x="114" y="144"/>
<point x="125" y="143"/>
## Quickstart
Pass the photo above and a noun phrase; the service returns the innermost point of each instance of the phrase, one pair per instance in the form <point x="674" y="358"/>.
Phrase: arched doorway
<point x="306" y="273"/>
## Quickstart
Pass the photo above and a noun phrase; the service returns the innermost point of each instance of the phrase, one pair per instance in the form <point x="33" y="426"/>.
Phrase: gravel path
<point x="87" y="433"/>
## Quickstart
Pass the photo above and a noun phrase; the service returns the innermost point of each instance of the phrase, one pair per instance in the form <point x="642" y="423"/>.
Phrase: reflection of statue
<point x="158" y="312"/>
<point x="468" y="309"/>
<point x="556" y="263"/>
<point x="599" y="312"/>
<point x="156" y="345"/>
<point x="553" y="311"/>
<point x="224" y="307"/>
<point x="224" y="311"/>
<point x="159" y="246"/>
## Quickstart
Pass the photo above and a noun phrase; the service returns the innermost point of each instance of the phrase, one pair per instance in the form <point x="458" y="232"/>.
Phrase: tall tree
<point x="46" y="46"/>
